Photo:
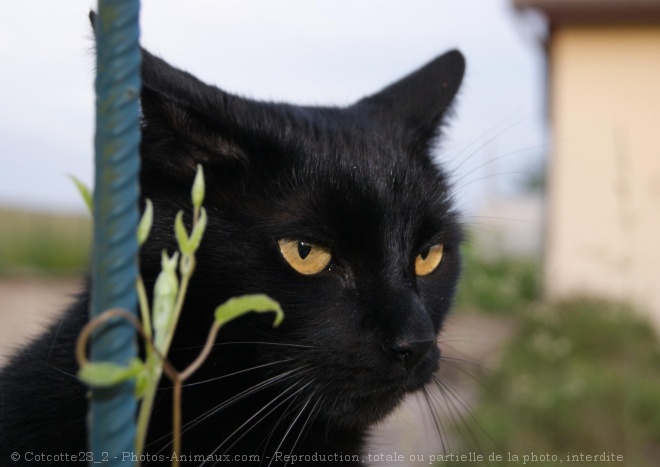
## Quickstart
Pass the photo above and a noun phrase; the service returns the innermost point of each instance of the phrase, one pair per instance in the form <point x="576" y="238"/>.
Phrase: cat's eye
<point x="305" y="257"/>
<point x="428" y="260"/>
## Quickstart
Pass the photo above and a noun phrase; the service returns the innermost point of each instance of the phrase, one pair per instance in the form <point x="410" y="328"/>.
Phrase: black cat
<point x="340" y="214"/>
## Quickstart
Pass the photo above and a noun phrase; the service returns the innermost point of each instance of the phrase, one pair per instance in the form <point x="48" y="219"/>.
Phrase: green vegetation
<point x="160" y="318"/>
<point x="581" y="377"/>
<point x="500" y="285"/>
<point x="40" y="243"/>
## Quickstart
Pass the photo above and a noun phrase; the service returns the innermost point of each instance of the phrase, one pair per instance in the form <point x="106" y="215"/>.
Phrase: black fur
<point x="359" y="180"/>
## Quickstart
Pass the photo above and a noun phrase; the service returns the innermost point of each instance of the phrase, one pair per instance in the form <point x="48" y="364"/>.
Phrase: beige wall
<point x="604" y="187"/>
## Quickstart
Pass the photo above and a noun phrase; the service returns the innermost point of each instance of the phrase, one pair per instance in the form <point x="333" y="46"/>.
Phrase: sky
<point x="300" y="51"/>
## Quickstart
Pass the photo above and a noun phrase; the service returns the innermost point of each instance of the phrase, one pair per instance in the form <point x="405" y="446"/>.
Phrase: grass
<point x="581" y="377"/>
<point x="41" y="243"/>
<point x="498" y="285"/>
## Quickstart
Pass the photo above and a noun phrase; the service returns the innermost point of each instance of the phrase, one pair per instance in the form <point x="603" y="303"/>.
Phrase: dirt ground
<point x="27" y="305"/>
<point x="470" y="343"/>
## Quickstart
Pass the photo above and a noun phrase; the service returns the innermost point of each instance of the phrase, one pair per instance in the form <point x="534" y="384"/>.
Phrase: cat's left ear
<point x="420" y="100"/>
<point x="185" y="122"/>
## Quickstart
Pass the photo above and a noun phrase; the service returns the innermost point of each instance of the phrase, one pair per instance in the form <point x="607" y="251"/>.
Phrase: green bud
<point x="181" y="234"/>
<point x="198" y="231"/>
<point x="238" y="306"/>
<point x="165" y="292"/>
<point x="145" y="223"/>
<point x="198" y="188"/>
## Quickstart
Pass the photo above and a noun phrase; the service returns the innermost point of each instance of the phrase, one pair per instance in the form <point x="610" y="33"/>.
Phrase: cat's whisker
<point x="335" y="401"/>
<point x="487" y="142"/>
<point x="283" y="415"/>
<point x="513" y="219"/>
<point x="232" y="400"/>
<point x="453" y="397"/>
<point x="310" y="397"/>
<point x="456" y="422"/>
<point x="314" y="412"/>
<point x="459" y="363"/>
<point x="219" y="344"/>
<point x="312" y="415"/>
<point x="245" y="393"/>
<point x="486" y="177"/>
<point x="72" y="375"/>
<point x="196" y="383"/>
<point x="450" y="410"/>
<point x="426" y="428"/>
<point x="480" y="137"/>
<point x="289" y="397"/>
<point x="52" y="344"/>
<point x="436" y="420"/>
<point x="423" y="411"/>
<point x="288" y="430"/>
<point x="495" y="159"/>
<point x="284" y="344"/>
<point x="262" y="418"/>
<point x="484" y="225"/>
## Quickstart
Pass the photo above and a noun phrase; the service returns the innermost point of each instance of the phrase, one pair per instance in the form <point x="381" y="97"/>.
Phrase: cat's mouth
<point x="414" y="378"/>
<point x="362" y="395"/>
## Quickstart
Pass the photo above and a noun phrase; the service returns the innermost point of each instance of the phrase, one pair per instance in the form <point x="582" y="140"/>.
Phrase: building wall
<point x="604" y="183"/>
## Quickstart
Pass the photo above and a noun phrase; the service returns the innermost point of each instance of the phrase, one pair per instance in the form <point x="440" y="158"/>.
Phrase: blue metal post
<point x="114" y="256"/>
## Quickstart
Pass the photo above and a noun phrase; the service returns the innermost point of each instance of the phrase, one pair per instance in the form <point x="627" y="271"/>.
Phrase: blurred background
<point x="554" y="150"/>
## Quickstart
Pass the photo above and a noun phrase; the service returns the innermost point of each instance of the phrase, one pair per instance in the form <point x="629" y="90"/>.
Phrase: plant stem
<point x="178" y="306"/>
<point x="154" y="370"/>
<point x="178" y="385"/>
<point x="86" y="331"/>
<point x="146" y="406"/>
<point x="201" y="358"/>
<point x="145" y="310"/>
<point x="176" y="421"/>
<point x="155" y="366"/>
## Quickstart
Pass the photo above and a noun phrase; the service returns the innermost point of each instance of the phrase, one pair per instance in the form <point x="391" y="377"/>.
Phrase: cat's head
<point x="339" y="213"/>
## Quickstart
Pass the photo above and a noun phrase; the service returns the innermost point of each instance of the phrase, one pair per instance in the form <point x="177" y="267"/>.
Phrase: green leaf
<point x="85" y="192"/>
<point x="198" y="188"/>
<point x="187" y="265"/>
<point x="237" y="306"/>
<point x="165" y="292"/>
<point x="141" y="384"/>
<point x="181" y="234"/>
<point x="106" y="374"/>
<point x="145" y="223"/>
<point x="198" y="231"/>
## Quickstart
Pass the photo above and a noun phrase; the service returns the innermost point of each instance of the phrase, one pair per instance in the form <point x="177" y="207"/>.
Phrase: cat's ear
<point x="186" y="122"/>
<point x="420" y="100"/>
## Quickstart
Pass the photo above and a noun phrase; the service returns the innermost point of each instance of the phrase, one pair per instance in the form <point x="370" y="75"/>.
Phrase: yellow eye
<point x="306" y="258"/>
<point x="428" y="260"/>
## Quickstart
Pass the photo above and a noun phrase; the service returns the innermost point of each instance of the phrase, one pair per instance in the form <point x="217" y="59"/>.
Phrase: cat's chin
<point x="421" y="375"/>
<point x="371" y="400"/>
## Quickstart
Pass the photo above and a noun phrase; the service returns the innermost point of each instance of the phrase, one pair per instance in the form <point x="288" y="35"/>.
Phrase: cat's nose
<point x="411" y="353"/>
